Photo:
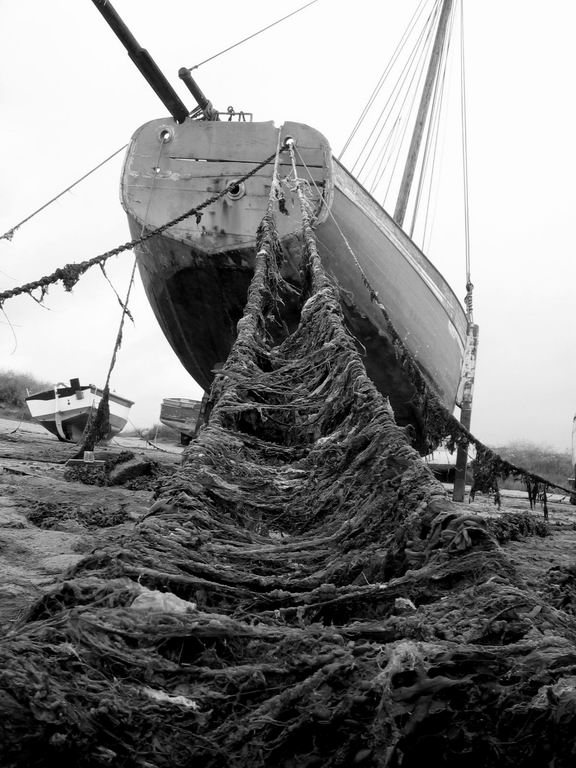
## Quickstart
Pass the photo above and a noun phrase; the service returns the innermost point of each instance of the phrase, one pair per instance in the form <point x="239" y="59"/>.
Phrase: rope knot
<point x="70" y="275"/>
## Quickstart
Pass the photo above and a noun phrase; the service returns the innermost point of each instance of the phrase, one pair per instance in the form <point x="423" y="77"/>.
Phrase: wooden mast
<point x="423" y="110"/>
<point x="466" y="387"/>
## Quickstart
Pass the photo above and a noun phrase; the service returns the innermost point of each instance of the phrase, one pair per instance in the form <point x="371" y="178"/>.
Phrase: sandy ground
<point x="32" y="481"/>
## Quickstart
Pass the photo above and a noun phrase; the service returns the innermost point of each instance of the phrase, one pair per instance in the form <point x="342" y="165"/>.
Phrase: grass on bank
<point x="542" y="460"/>
<point x="14" y="389"/>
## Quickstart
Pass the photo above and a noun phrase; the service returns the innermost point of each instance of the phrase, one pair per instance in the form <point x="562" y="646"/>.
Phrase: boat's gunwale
<point x="62" y="392"/>
<point x="401" y="241"/>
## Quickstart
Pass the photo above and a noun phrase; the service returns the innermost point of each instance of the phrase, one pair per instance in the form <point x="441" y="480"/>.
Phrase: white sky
<point x="69" y="96"/>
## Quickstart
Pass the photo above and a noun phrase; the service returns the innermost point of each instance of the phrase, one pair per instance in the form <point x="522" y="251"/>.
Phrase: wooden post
<point x="465" y="396"/>
<point x="573" y="478"/>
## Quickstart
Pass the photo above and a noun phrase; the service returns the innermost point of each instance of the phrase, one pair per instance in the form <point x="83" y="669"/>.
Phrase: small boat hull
<point x="65" y="410"/>
<point x="196" y="274"/>
<point x="181" y="414"/>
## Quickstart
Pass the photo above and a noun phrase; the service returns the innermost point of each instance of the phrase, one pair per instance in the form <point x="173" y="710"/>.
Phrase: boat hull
<point x="197" y="277"/>
<point x="181" y="414"/>
<point x="64" y="411"/>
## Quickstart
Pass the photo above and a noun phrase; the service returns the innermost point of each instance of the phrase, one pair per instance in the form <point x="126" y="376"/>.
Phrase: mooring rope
<point x="440" y="424"/>
<point x="69" y="274"/>
<point x="98" y="425"/>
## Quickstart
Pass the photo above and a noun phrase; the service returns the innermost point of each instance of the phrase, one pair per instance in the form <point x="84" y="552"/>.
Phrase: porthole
<point x="236" y="191"/>
<point x="165" y="135"/>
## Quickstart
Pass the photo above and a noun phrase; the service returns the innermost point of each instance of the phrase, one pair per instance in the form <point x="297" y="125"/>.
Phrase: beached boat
<point x="196" y="273"/>
<point x="65" y="409"/>
<point x="181" y="414"/>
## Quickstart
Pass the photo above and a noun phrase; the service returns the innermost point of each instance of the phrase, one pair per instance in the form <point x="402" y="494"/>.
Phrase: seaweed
<point x="300" y="593"/>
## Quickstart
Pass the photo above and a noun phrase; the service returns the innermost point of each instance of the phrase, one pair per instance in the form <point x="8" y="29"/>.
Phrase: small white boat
<point x="181" y="414"/>
<point x="65" y="409"/>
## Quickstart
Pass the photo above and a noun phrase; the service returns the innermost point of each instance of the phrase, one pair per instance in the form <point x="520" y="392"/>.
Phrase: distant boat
<point x="442" y="463"/>
<point x="181" y="414"/>
<point x="65" y="409"/>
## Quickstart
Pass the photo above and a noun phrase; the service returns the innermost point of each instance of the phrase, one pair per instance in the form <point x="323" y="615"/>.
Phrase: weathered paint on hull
<point x="73" y="425"/>
<point x="181" y="414"/>
<point x="422" y="307"/>
<point x="197" y="279"/>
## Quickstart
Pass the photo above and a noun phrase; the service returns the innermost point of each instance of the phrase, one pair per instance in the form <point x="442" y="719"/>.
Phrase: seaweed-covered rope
<point x="98" y="425"/>
<point x="301" y="592"/>
<point x="71" y="273"/>
<point x="439" y="424"/>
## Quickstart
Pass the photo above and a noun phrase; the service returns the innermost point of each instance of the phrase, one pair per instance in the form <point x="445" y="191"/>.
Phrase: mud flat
<point x="47" y="523"/>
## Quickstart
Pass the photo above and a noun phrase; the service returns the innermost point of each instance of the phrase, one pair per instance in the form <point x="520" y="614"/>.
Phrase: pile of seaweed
<point x="300" y="594"/>
<point x="133" y="472"/>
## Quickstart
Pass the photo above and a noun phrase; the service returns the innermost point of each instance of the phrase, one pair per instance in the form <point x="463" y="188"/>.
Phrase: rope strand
<point x="250" y="37"/>
<point x="440" y="424"/>
<point x="11" y="232"/>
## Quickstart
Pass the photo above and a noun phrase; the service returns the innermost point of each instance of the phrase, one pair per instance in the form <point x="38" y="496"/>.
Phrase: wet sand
<point x="32" y="485"/>
<point x="33" y="488"/>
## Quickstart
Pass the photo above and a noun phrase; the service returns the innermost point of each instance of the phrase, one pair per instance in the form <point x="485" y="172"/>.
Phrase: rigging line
<point x="429" y="221"/>
<point x="230" y="47"/>
<point x="382" y="160"/>
<point x="12" y="329"/>
<point x="417" y="73"/>
<point x="10" y="233"/>
<point x="434" y="183"/>
<point x="421" y="76"/>
<point x="141" y="435"/>
<point x="464" y="144"/>
<point x="413" y="69"/>
<point x="396" y="91"/>
<point x="430" y="141"/>
<point x="125" y="310"/>
<point x="432" y="132"/>
<point x="111" y="284"/>
<point x="384" y="75"/>
<point x="418" y="90"/>
<point x="393" y="97"/>
<point x="394" y="152"/>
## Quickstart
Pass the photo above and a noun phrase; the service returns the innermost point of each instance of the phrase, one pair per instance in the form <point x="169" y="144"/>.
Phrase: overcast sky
<point x="69" y="96"/>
